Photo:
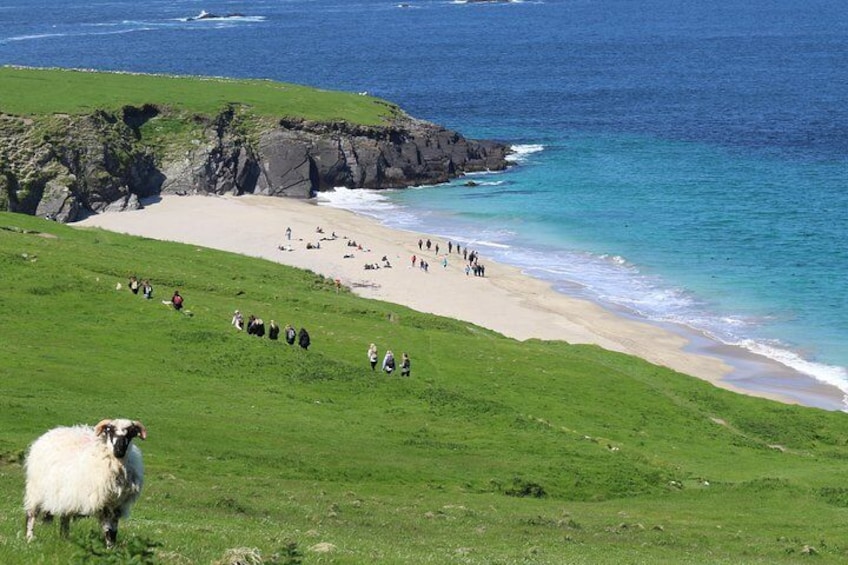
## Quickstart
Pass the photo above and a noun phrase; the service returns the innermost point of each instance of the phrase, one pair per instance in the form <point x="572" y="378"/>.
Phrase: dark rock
<point x="101" y="161"/>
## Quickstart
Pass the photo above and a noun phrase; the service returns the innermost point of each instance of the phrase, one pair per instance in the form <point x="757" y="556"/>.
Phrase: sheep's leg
<point x="64" y="525"/>
<point x="31" y="516"/>
<point x="109" y="525"/>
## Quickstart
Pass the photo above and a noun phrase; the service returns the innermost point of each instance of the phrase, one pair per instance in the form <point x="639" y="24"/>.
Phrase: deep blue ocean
<point x="685" y="162"/>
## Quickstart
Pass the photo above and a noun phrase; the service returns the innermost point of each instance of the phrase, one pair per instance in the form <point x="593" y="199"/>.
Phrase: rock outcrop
<point x="66" y="167"/>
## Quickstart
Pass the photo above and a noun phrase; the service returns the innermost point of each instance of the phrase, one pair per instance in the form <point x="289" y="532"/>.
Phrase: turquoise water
<point x="684" y="161"/>
<point x="746" y="249"/>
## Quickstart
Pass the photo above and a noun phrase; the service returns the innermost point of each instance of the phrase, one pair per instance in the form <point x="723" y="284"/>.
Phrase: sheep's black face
<point x="119" y="439"/>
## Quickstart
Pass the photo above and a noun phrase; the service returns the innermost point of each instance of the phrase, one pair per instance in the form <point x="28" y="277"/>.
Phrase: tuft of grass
<point x="494" y="451"/>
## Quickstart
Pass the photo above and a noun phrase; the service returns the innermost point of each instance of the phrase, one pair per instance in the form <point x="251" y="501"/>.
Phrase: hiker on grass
<point x="273" y="331"/>
<point x="303" y="338"/>
<point x="134" y="284"/>
<point x="389" y="362"/>
<point x="147" y="289"/>
<point x="405" y="365"/>
<point x="372" y="356"/>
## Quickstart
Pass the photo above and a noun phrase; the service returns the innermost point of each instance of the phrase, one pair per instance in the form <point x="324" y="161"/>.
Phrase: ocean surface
<point x="683" y="162"/>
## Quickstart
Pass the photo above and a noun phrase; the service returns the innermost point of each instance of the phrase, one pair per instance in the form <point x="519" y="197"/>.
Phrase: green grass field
<point x="28" y="92"/>
<point x="493" y="452"/>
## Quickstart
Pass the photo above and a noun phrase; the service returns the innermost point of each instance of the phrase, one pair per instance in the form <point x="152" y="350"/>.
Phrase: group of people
<point x="256" y="326"/>
<point x="430" y="245"/>
<point x="389" y="364"/>
<point x="472" y="258"/>
<point x="144" y="286"/>
<point x="146" y="290"/>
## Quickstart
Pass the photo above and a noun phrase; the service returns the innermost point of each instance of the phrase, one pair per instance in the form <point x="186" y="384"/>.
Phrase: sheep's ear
<point x="142" y="431"/>
<point x="98" y="429"/>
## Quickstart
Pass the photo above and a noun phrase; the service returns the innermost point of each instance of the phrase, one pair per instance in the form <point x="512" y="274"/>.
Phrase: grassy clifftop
<point x="494" y="451"/>
<point x="32" y="92"/>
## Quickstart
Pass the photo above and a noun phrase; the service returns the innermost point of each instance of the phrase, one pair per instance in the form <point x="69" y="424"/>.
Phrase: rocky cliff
<point x="66" y="167"/>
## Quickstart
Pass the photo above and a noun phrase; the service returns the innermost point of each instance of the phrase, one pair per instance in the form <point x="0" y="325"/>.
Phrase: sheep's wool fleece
<point x="73" y="471"/>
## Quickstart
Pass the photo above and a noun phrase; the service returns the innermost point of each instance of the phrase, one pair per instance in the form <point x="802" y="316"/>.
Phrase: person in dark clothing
<point x="147" y="289"/>
<point x="273" y="331"/>
<point x="134" y="285"/>
<point x="177" y="300"/>
<point x="303" y="338"/>
<point x="258" y="327"/>
<point x="405" y="365"/>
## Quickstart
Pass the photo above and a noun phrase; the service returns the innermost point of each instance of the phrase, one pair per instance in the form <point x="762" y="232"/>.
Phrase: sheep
<point x="84" y="471"/>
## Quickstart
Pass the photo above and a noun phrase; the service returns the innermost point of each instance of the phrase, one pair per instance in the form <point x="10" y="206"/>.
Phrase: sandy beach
<point x="505" y="300"/>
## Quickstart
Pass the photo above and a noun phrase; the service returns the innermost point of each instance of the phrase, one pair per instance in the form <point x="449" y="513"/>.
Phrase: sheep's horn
<point x="142" y="431"/>
<point x="98" y="429"/>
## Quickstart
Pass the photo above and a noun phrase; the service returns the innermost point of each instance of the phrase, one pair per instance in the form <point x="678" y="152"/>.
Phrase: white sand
<point x="504" y="300"/>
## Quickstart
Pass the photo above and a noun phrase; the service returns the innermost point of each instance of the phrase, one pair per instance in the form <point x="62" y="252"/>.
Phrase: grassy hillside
<point x="494" y="451"/>
<point x="26" y="92"/>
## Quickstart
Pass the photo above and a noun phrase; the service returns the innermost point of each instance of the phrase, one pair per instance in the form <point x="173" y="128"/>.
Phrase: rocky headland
<point x="67" y="167"/>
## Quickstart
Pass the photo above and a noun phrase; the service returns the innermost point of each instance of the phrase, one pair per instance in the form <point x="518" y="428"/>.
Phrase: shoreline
<point x="505" y="300"/>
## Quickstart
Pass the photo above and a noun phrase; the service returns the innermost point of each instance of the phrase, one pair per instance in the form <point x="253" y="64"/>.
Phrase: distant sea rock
<point x="204" y="15"/>
<point x="86" y="164"/>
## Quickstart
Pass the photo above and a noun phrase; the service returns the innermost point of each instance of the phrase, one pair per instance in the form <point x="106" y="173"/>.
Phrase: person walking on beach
<point x="372" y="356"/>
<point x="288" y="233"/>
<point x="420" y="244"/>
<point x="405" y="365"/>
<point x="389" y="362"/>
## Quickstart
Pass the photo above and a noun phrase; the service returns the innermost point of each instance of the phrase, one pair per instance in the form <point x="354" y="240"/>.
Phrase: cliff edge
<point x="66" y="167"/>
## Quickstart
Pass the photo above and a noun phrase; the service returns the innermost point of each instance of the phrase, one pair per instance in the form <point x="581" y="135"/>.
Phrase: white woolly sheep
<point x="84" y="471"/>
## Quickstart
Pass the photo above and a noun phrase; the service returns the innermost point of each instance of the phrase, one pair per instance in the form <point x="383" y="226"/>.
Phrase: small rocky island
<point x="66" y="167"/>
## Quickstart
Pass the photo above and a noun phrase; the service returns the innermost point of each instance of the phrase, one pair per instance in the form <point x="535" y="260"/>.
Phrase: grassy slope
<point x="253" y="443"/>
<point x="50" y="91"/>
